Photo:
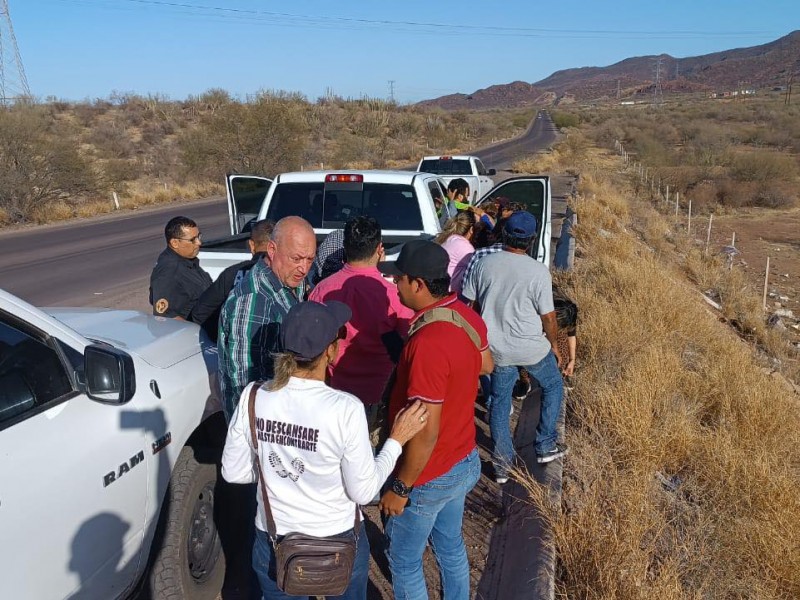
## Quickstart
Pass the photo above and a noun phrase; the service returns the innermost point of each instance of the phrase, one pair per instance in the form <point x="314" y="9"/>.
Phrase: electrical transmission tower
<point x="13" y="83"/>
<point x="391" y="90"/>
<point x="658" y="93"/>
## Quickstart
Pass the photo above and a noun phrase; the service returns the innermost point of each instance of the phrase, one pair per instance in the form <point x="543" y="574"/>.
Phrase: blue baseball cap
<point x="521" y="224"/>
<point x="309" y="327"/>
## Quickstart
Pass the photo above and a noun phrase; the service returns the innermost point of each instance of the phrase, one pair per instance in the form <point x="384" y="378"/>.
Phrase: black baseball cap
<point x="309" y="327"/>
<point x="418" y="258"/>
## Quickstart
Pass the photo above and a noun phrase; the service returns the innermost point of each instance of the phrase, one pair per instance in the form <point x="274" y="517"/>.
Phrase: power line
<point x="317" y="21"/>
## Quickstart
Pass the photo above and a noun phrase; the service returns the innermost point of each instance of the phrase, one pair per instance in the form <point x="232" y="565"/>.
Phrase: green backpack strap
<point x="447" y="315"/>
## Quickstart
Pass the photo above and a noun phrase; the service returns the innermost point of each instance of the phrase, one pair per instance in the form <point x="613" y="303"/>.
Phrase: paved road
<point x="106" y="261"/>
<point x="540" y="134"/>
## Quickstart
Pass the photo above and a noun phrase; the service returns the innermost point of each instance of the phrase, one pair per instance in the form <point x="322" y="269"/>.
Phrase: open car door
<point x="534" y="194"/>
<point x="246" y="193"/>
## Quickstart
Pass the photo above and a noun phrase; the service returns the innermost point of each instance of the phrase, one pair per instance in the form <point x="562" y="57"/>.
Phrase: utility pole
<point x="619" y="91"/>
<point x="13" y="82"/>
<point x="788" y="100"/>
<point x="391" y="91"/>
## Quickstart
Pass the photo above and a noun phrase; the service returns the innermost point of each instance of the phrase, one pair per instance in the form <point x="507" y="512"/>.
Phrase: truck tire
<point x="189" y="562"/>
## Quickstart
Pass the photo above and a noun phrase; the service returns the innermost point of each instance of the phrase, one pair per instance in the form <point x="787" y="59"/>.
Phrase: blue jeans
<point x="503" y="379"/>
<point x="264" y="566"/>
<point x="435" y="511"/>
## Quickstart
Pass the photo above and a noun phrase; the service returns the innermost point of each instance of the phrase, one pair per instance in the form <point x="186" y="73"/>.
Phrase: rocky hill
<point x="760" y="67"/>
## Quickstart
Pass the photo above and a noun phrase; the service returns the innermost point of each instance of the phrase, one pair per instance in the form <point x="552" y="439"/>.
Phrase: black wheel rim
<point x="203" y="542"/>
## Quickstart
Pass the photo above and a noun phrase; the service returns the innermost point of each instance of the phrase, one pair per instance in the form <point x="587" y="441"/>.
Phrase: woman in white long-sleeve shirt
<point x="314" y="445"/>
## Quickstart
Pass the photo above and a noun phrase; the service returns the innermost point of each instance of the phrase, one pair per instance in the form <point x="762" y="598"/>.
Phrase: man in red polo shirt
<point x="439" y="365"/>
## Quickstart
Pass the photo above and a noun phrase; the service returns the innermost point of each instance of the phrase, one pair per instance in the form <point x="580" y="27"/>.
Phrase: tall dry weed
<point x="683" y="479"/>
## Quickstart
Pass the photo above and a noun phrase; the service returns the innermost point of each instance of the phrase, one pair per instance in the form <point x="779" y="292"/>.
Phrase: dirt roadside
<point x="762" y="233"/>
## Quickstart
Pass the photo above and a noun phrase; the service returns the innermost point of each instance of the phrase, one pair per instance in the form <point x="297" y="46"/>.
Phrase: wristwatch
<point x="400" y="488"/>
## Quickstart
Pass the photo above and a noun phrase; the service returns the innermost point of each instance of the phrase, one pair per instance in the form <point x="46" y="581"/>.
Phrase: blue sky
<point x="76" y="49"/>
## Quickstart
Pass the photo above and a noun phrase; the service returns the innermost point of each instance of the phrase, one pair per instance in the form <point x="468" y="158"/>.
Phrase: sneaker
<point x="521" y="389"/>
<point x="501" y="480"/>
<point x="552" y="455"/>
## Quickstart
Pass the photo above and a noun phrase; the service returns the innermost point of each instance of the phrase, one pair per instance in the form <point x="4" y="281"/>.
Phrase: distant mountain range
<point x="758" y="67"/>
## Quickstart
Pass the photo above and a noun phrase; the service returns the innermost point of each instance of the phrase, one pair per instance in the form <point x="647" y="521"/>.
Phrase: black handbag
<point x="306" y="565"/>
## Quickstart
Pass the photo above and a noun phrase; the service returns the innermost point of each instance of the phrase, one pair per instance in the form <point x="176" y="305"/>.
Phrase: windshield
<point x="394" y="206"/>
<point x="446" y="167"/>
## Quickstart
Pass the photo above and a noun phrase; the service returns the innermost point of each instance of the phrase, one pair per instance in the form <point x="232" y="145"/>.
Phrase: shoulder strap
<point x="251" y="410"/>
<point x="448" y="315"/>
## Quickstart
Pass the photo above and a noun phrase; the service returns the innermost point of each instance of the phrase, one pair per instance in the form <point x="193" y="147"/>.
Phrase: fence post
<point x="689" y="222"/>
<point x="766" y="284"/>
<point x="708" y="233"/>
<point x="116" y="200"/>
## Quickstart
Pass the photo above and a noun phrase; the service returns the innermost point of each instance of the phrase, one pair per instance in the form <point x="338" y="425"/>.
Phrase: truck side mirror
<point x="491" y="172"/>
<point x="109" y="374"/>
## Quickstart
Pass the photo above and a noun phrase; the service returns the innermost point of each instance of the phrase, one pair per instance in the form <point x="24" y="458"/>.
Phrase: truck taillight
<point x="344" y="179"/>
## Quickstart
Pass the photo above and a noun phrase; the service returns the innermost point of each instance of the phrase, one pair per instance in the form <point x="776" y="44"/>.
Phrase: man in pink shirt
<point x="380" y="322"/>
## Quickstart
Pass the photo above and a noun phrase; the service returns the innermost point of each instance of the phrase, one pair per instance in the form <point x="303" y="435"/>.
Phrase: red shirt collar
<point x="446" y="301"/>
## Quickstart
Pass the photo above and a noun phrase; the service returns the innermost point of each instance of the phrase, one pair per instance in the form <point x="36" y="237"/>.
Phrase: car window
<point x="446" y="166"/>
<point x="528" y="193"/>
<point x="249" y="193"/>
<point x="394" y="206"/>
<point x="480" y="168"/>
<point x="297" y="199"/>
<point x="31" y="373"/>
<point x="436" y="191"/>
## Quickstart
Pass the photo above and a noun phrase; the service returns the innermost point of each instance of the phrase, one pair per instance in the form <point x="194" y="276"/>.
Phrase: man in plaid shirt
<point x="251" y="316"/>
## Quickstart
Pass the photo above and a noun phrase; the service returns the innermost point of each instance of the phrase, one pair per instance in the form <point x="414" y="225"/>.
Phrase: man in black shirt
<point x="177" y="279"/>
<point x="206" y="311"/>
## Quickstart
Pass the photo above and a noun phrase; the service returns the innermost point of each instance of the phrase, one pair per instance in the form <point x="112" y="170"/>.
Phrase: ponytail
<point x="460" y="224"/>
<point x="286" y="364"/>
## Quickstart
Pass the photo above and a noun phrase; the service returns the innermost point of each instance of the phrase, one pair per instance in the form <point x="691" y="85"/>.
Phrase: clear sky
<point x="77" y="49"/>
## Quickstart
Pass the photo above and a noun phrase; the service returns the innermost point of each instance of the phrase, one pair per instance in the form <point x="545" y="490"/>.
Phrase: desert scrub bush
<point x="762" y="166"/>
<point x="111" y="140"/>
<point x="564" y="119"/>
<point x="38" y="164"/>
<point x="264" y="136"/>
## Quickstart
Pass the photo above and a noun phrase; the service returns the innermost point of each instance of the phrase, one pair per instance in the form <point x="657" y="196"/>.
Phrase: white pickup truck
<point x="401" y="201"/>
<point x="468" y="168"/>
<point x="109" y="431"/>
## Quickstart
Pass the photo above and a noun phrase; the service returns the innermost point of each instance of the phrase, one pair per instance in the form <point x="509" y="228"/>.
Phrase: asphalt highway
<point x="540" y="134"/>
<point x="106" y="261"/>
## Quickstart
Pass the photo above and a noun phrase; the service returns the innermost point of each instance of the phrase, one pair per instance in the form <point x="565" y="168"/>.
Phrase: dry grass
<point x="142" y="194"/>
<point x="683" y="479"/>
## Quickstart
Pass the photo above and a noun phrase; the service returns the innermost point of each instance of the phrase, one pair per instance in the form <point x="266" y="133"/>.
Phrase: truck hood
<point x="160" y="342"/>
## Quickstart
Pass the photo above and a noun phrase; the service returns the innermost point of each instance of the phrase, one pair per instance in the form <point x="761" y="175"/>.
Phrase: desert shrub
<point x="38" y="165"/>
<point x="265" y="136"/>
<point x="564" y="119"/>
<point x="111" y="140"/>
<point x="118" y="171"/>
<point x="354" y="151"/>
<point x="762" y="166"/>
